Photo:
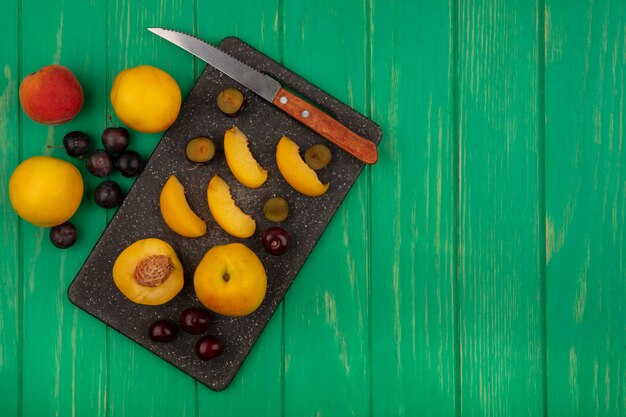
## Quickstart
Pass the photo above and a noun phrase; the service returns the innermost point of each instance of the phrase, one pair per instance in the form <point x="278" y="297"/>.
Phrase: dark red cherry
<point x="208" y="347"/>
<point x="195" y="320"/>
<point x="275" y="240"/>
<point x="162" y="331"/>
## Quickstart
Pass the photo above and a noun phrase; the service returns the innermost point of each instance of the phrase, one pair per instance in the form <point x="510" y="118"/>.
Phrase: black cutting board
<point x="139" y="216"/>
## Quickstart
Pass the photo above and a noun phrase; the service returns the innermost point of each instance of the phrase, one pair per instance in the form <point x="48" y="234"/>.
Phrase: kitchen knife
<point x="271" y="90"/>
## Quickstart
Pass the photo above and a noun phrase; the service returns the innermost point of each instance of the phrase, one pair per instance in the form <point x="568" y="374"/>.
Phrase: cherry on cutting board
<point x="208" y="347"/>
<point x="195" y="320"/>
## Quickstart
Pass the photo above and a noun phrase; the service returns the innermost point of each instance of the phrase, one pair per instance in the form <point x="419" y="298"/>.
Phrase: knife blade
<point x="271" y="90"/>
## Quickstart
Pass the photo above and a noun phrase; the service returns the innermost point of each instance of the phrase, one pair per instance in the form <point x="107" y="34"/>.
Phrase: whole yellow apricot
<point x="146" y="98"/>
<point x="230" y="280"/>
<point x="45" y="191"/>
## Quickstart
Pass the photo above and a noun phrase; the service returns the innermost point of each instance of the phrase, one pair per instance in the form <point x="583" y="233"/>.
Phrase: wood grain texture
<point x="501" y="236"/>
<point x="585" y="206"/>
<point x="477" y="269"/>
<point x="326" y="309"/>
<point x="63" y="357"/>
<point x="10" y="250"/>
<point x="413" y="227"/>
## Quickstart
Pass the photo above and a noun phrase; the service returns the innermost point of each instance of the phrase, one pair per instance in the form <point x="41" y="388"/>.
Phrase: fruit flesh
<point x="226" y="213"/>
<point x="295" y="171"/>
<point x="276" y="209"/>
<point x="240" y="160"/>
<point x="200" y="149"/>
<point x="317" y="156"/>
<point x="230" y="101"/>
<point x="125" y="266"/>
<point x="176" y="211"/>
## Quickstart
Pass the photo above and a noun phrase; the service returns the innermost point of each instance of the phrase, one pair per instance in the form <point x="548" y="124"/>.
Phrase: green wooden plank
<point x="134" y="372"/>
<point x="257" y="387"/>
<point x="326" y="309"/>
<point x="585" y="205"/>
<point x="63" y="349"/>
<point x="10" y="268"/>
<point x="413" y="226"/>
<point x="501" y="234"/>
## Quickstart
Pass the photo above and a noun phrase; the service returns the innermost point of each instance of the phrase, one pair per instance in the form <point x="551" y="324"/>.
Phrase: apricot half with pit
<point x="148" y="272"/>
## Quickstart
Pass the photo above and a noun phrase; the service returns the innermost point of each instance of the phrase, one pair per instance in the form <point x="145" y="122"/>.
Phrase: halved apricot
<point x="148" y="272"/>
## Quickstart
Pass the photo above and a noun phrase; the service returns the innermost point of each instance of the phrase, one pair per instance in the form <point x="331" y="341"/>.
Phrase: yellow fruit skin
<point x="146" y="99"/>
<point x="124" y="270"/>
<point x="45" y="191"/>
<point x="227" y="215"/>
<point x="295" y="171"/>
<point x="176" y="211"/>
<point x="240" y="160"/>
<point x="245" y="288"/>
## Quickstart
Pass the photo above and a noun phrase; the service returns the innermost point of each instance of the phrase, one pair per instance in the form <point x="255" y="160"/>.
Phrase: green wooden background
<point x="478" y="269"/>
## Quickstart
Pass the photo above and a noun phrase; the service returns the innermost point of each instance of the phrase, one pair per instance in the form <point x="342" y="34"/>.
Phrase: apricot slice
<point x="230" y="280"/>
<point x="176" y="211"/>
<point x="240" y="160"/>
<point x="295" y="171"/>
<point x="148" y="272"/>
<point x="226" y="213"/>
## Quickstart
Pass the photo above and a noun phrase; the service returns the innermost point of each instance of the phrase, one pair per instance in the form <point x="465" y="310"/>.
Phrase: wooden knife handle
<point x="326" y="126"/>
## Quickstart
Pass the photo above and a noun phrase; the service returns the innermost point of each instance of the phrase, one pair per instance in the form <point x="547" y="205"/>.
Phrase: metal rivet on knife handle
<point x="326" y="126"/>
